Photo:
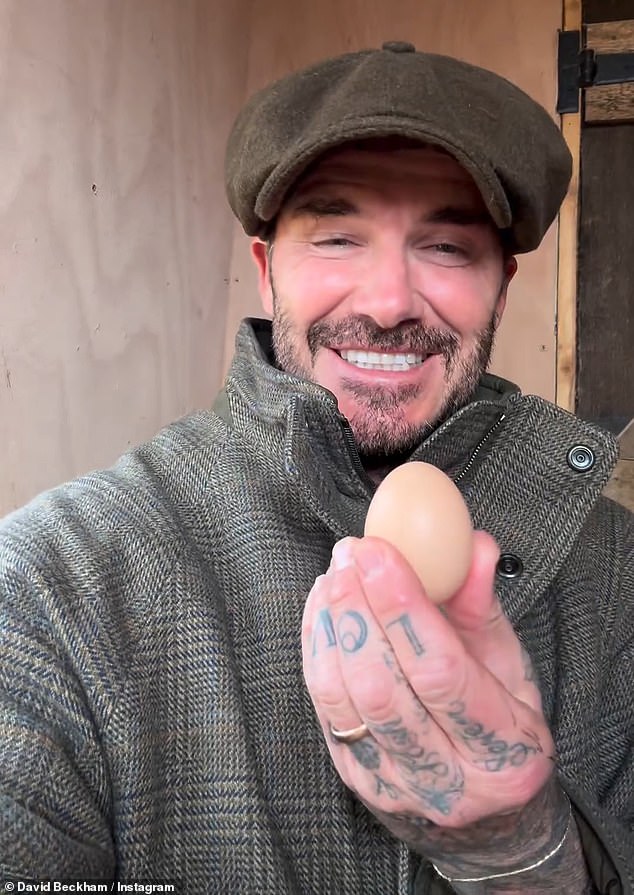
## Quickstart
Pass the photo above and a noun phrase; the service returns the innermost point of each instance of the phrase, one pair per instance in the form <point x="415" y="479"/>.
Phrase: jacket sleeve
<point x="607" y="846"/>
<point x="606" y="819"/>
<point x="55" y="802"/>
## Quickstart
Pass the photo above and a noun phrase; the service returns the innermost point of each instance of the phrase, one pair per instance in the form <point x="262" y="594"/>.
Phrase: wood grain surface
<point x="566" y="357"/>
<point x="610" y="102"/>
<point x="605" y="147"/>
<point x="611" y="37"/>
<point x="515" y="38"/>
<point x="115" y="238"/>
<point x="605" y="378"/>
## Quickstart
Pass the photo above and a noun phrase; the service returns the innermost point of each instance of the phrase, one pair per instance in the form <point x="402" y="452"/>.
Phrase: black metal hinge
<point x="579" y="68"/>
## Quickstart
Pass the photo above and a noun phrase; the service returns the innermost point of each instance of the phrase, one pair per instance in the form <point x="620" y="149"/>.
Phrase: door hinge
<point x="581" y="67"/>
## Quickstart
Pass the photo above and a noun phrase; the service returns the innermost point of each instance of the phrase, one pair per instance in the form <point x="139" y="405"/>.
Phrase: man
<point x="197" y="687"/>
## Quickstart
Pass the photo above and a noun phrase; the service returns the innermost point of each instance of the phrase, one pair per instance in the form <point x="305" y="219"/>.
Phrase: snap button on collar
<point x="580" y="458"/>
<point x="398" y="46"/>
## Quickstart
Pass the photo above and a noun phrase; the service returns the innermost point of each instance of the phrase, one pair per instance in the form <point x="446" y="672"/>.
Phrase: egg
<point x="420" y="511"/>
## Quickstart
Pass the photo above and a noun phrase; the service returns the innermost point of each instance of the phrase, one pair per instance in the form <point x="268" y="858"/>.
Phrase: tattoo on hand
<point x="441" y="800"/>
<point x="427" y="776"/>
<point x="384" y="786"/>
<point x="326" y="628"/>
<point x="352" y="631"/>
<point x="367" y="753"/>
<point x="406" y="624"/>
<point x="498" y="754"/>
<point x="407" y="751"/>
<point x="392" y="664"/>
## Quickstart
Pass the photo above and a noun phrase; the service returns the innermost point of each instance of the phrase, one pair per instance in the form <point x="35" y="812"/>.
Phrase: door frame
<point x="566" y="310"/>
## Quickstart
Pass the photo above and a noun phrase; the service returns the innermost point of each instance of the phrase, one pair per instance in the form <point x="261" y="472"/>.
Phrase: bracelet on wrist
<point x="534" y="866"/>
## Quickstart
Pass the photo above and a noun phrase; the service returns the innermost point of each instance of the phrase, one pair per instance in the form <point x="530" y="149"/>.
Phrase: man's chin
<point x="377" y="443"/>
<point x="383" y="437"/>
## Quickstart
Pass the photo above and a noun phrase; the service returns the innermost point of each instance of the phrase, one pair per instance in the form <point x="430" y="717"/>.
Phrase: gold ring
<point x="351" y="735"/>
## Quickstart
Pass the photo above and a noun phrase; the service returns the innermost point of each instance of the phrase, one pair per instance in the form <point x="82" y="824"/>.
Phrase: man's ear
<point x="261" y="254"/>
<point x="510" y="269"/>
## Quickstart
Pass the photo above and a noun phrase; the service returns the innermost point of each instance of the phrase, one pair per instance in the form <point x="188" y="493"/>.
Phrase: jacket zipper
<point x="354" y="455"/>
<point x="478" y="448"/>
<point x="358" y="465"/>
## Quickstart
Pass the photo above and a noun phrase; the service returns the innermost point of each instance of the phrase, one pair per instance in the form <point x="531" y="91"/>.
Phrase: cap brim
<point x="292" y="165"/>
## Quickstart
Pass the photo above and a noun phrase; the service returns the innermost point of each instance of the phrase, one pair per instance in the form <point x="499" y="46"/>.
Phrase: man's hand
<point x="457" y="746"/>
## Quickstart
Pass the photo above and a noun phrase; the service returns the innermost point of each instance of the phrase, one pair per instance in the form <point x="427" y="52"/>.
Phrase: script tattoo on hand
<point x="497" y="754"/>
<point x="426" y="776"/>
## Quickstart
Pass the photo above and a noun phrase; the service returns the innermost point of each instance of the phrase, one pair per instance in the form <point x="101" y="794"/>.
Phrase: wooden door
<point x="605" y="321"/>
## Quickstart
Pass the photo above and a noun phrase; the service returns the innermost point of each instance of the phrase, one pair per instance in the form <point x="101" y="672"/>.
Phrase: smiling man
<point x="210" y="678"/>
<point x="388" y="284"/>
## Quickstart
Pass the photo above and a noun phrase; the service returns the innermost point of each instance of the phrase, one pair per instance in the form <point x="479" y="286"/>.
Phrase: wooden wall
<point x="513" y="37"/>
<point x="115" y="239"/>
<point x="116" y="245"/>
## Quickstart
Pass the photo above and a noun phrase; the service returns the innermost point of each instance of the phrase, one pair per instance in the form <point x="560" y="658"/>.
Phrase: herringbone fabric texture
<point x="154" y="722"/>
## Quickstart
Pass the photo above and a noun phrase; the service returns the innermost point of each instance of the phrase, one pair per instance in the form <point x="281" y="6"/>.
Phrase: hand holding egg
<point x="423" y="710"/>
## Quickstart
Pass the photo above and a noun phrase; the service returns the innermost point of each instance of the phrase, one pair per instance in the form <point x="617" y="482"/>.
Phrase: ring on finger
<point x="352" y="735"/>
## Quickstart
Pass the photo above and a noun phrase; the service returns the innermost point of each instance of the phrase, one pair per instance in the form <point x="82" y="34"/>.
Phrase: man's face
<point x="385" y="282"/>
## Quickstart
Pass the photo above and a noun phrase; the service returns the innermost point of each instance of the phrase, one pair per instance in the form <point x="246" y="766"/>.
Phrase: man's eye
<point x="448" y="253"/>
<point x="445" y="253"/>
<point x="334" y="241"/>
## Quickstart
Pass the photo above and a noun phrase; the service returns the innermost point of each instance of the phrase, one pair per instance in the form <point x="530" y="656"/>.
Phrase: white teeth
<point x="372" y="360"/>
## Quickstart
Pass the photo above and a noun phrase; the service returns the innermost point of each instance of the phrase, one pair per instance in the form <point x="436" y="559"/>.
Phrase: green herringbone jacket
<point x="154" y="722"/>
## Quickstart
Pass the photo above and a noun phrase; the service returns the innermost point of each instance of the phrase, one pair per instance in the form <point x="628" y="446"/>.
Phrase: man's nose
<point x="387" y="293"/>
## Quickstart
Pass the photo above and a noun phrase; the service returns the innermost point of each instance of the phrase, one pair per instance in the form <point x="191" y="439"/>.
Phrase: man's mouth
<point x="374" y="360"/>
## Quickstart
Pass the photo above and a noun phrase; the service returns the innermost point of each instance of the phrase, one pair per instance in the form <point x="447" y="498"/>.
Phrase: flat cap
<point x="507" y="142"/>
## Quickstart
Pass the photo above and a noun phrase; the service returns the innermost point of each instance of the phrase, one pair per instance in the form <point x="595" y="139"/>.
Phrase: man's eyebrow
<point x="318" y="207"/>
<point x="460" y="215"/>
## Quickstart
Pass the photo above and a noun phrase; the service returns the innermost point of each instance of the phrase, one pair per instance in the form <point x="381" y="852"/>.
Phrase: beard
<point x="380" y="425"/>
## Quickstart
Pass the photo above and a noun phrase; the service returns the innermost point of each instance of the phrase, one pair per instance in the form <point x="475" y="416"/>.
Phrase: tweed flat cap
<point x="507" y="142"/>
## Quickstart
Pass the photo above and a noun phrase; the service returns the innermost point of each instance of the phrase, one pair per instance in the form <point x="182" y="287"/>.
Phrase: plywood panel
<point x="114" y="234"/>
<point x="515" y="38"/>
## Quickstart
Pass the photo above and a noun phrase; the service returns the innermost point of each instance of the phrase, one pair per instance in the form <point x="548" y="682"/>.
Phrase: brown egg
<point x="419" y="510"/>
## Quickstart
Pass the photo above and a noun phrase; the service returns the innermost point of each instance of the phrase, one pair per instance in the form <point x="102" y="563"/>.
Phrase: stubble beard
<point x="380" y="425"/>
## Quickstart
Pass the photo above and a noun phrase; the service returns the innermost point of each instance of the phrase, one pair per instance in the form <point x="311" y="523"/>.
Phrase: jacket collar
<point x="509" y="454"/>
<point x="293" y="411"/>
